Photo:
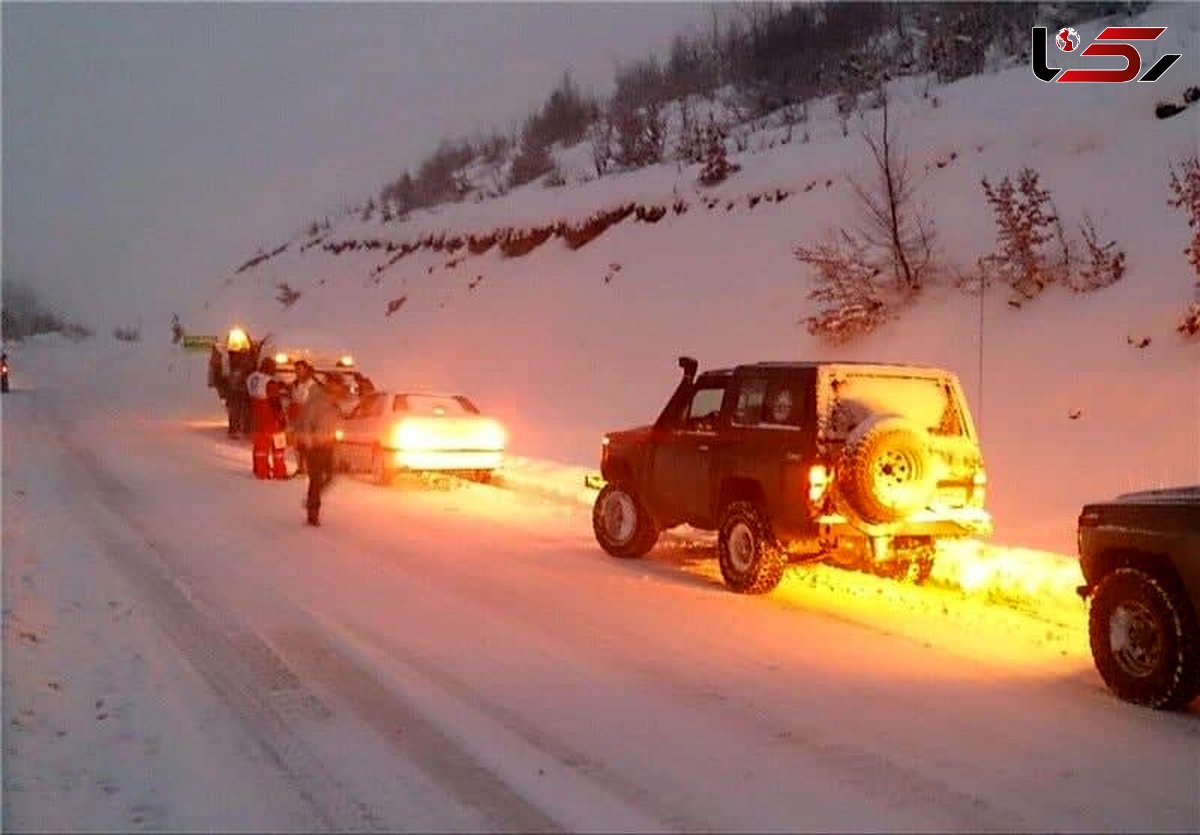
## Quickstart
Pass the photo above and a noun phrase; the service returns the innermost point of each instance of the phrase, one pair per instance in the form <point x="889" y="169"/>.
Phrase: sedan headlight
<point x="410" y="435"/>
<point x="492" y="436"/>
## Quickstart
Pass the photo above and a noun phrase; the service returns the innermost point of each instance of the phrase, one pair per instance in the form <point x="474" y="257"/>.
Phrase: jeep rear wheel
<point x="750" y="557"/>
<point x="621" y="524"/>
<point x="1143" y="636"/>
<point x="886" y="471"/>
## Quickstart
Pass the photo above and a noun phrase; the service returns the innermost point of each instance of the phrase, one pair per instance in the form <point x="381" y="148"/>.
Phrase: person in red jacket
<point x="267" y="420"/>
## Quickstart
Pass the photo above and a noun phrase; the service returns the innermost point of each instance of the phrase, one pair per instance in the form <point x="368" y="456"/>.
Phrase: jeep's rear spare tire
<point x="886" y="471"/>
<point x="621" y="524"/>
<point x="1143" y="636"/>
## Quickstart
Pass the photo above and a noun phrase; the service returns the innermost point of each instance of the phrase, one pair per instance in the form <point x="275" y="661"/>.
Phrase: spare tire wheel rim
<point x="620" y="517"/>
<point x="896" y="474"/>
<point x="741" y="546"/>
<point x="1135" y="639"/>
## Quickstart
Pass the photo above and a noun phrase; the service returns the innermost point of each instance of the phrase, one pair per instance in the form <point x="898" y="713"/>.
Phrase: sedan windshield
<point x="434" y="404"/>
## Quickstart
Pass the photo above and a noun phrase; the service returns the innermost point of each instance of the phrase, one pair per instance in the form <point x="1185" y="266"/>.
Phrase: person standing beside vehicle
<point x="297" y="397"/>
<point x="240" y="366"/>
<point x="320" y="420"/>
<point x="267" y="419"/>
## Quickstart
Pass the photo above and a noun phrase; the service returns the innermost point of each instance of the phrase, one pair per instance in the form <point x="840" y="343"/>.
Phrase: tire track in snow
<point x="241" y="670"/>
<point x="267" y="694"/>
<point x="902" y="786"/>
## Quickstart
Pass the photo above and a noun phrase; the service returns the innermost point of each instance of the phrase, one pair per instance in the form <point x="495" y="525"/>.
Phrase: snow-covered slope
<point x="565" y="344"/>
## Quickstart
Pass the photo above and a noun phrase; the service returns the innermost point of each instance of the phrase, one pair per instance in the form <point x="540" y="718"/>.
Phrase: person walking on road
<point x="297" y="397"/>
<point x="320" y="420"/>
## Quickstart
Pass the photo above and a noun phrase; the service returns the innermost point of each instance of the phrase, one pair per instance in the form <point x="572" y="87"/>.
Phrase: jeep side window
<point x="751" y="396"/>
<point x="703" y="411"/>
<point x="784" y="404"/>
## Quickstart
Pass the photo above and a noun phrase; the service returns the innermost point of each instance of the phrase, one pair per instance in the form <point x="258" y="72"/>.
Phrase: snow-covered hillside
<point x="566" y="343"/>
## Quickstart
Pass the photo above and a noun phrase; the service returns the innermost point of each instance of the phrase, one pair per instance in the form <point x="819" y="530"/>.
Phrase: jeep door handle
<point x="703" y="447"/>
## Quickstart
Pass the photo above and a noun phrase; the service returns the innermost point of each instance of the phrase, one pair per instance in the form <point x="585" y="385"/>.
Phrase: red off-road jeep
<point x="864" y="464"/>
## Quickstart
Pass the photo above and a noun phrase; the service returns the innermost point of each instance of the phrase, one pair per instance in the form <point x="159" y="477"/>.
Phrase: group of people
<point x="303" y="414"/>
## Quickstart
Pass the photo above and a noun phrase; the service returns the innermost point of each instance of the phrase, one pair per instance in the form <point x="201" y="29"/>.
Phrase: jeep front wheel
<point x="621" y="524"/>
<point x="751" y="560"/>
<point x="1143" y="637"/>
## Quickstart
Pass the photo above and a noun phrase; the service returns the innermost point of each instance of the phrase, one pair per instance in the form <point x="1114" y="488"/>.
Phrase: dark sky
<point x="152" y="145"/>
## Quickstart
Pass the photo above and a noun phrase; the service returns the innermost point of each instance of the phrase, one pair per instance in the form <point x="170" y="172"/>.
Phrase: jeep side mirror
<point x="689" y="367"/>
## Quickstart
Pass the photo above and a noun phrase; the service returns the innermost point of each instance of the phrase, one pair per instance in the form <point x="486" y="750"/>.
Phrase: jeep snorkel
<point x="682" y="392"/>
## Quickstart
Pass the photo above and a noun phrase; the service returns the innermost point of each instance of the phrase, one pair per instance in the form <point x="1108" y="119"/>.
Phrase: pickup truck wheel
<point x="621" y="524"/>
<point x="886" y="472"/>
<point x="1143" y="636"/>
<point x="750" y="557"/>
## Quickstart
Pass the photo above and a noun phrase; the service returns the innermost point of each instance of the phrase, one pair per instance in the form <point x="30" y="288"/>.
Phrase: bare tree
<point x="894" y="222"/>
<point x="861" y="275"/>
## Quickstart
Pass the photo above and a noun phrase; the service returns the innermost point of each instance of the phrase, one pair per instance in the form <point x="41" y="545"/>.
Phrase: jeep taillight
<point x="819" y="477"/>
<point x="978" y="487"/>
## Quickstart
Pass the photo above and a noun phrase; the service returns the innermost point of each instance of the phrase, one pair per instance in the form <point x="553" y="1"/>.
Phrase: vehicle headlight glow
<point x="409" y="435"/>
<point x="492" y="436"/>
<point x="237" y="340"/>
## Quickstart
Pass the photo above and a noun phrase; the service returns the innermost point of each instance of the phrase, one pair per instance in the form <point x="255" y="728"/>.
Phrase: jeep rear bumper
<point x="938" y="522"/>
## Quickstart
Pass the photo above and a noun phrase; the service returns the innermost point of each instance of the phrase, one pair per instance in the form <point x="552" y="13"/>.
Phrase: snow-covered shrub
<point x="1025" y="224"/>
<point x="24" y="313"/>
<point x="602" y="140"/>
<point x="1190" y="326"/>
<point x="287" y="296"/>
<point x="1105" y="262"/>
<point x="1185" y="195"/>
<point x="76" y="332"/>
<point x="531" y="162"/>
<point x="395" y="304"/>
<point x="847" y="284"/>
<point x="717" y="166"/>
<point x="517" y="242"/>
<point x="640" y="136"/>
<point x="555" y="178"/>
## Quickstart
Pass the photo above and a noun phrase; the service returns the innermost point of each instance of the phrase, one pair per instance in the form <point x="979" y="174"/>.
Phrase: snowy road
<point x="181" y="652"/>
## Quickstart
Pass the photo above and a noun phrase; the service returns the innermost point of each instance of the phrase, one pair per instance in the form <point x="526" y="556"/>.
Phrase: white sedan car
<point x="390" y="432"/>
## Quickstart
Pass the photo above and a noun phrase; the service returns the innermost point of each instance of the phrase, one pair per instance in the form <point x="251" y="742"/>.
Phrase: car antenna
<point x="979" y="372"/>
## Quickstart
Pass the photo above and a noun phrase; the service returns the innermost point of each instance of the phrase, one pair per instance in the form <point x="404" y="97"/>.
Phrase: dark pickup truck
<point x="1140" y="557"/>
